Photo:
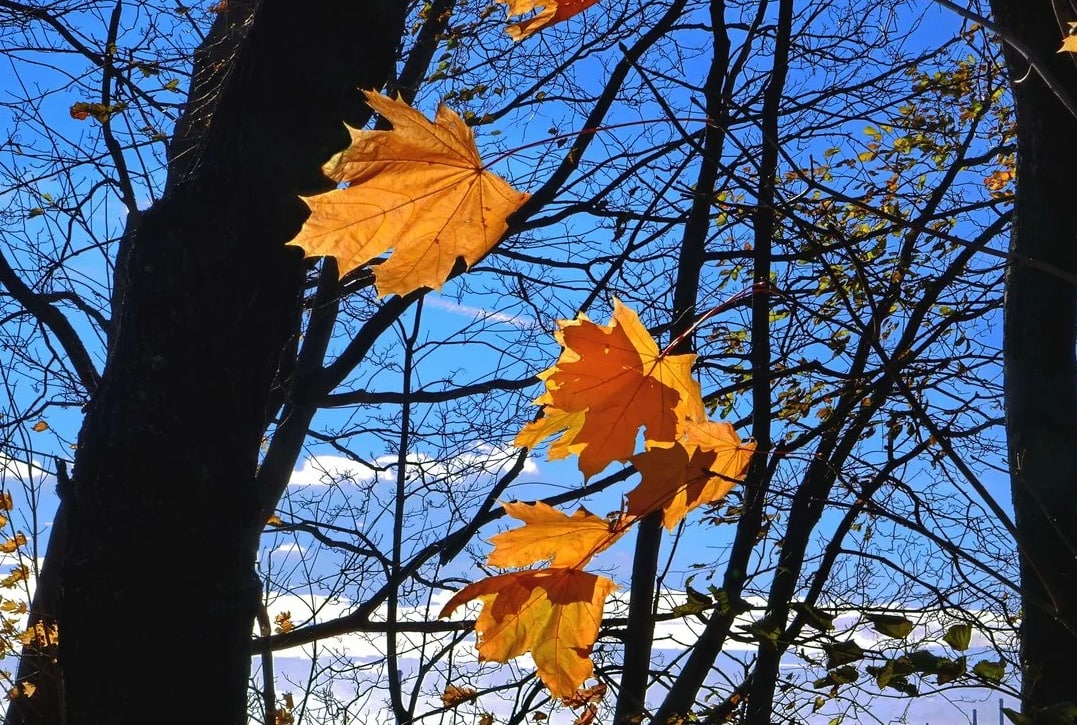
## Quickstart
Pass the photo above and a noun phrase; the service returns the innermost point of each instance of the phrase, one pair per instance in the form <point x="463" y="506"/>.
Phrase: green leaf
<point x="842" y="653"/>
<point x="949" y="670"/>
<point x="924" y="661"/>
<point x="815" y="617"/>
<point x="890" y="625"/>
<point x="902" y="685"/>
<point x="697" y="603"/>
<point x="840" y="676"/>
<point x="765" y="632"/>
<point x="991" y="671"/>
<point x="959" y="637"/>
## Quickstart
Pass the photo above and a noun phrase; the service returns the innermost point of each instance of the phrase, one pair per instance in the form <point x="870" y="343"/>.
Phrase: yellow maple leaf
<point x="1069" y="43"/>
<point x="552" y="613"/>
<point x="283" y="622"/>
<point x="553" y="11"/>
<point x="699" y="469"/>
<point x="610" y="381"/>
<point x="13" y="544"/>
<point x="548" y="534"/>
<point x="420" y="189"/>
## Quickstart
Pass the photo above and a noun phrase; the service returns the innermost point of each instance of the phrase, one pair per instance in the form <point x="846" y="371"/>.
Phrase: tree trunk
<point x="158" y="586"/>
<point x="1040" y="365"/>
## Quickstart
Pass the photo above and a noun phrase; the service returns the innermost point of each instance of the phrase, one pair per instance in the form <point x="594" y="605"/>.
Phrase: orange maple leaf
<point x="552" y="613"/>
<point x="700" y="469"/>
<point x="610" y="381"/>
<point x="548" y="534"/>
<point x="420" y="190"/>
<point x="553" y="11"/>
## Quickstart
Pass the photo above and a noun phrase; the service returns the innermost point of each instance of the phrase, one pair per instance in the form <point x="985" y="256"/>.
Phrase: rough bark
<point x="1039" y="340"/>
<point x="158" y="588"/>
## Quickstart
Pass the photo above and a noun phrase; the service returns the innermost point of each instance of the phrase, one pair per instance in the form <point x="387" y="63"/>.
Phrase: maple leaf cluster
<point x="418" y="201"/>
<point x="608" y="383"/>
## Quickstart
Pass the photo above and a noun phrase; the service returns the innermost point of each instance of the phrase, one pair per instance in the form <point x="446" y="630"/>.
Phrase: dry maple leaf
<point x="588" y="696"/>
<point x="420" y="189"/>
<point x="548" y="534"/>
<point x="454" y="695"/>
<point x="610" y="381"/>
<point x="553" y="11"/>
<point x="552" y="613"/>
<point x="700" y="469"/>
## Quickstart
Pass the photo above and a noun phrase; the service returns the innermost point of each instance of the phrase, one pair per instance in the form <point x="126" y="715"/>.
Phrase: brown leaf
<point x="283" y="622"/>
<point x="454" y="695"/>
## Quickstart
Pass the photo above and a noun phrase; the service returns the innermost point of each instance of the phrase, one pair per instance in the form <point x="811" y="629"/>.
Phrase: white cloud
<point x="326" y="470"/>
<point x="479" y="313"/>
<point x="482" y="459"/>
<point x="288" y="548"/>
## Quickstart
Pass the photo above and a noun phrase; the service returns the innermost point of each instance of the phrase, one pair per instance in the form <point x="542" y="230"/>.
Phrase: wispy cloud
<point x="479" y="313"/>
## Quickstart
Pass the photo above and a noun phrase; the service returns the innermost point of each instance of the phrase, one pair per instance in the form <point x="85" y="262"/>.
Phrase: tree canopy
<point x="740" y="263"/>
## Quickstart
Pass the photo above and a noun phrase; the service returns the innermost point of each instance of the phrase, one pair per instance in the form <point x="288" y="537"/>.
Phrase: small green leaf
<point x="840" y="676"/>
<point x="842" y="653"/>
<point x="765" y="632"/>
<point x="890" y="625"/>
<point x="924" y="661"/>
<point x="172" y="85"/>
<point x="36" y="211"/>
<point x="949" y="670"/>
<point x="959" y="637"/>
<point x="902" y="685"/>
<point x="697" y="602"/>
<point x="815" y="617"/>
<point x="991" y="671"/>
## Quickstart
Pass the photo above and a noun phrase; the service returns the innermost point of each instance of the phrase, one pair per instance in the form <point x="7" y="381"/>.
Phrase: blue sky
<point x="476" y="330"/>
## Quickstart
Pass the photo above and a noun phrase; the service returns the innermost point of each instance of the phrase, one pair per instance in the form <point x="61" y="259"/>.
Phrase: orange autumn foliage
<point x="552" y="613"/>
<point x="548" y="534"/>
<point x="553" y="11"/>
<point x="700" y="469"/>
<point x="610" y="381"/>
<point x="420" y="190"/>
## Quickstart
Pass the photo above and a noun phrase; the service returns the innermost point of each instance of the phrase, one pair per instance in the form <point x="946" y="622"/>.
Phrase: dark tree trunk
<point x="1041" y="370"/>
<point x="158" y="587"/>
